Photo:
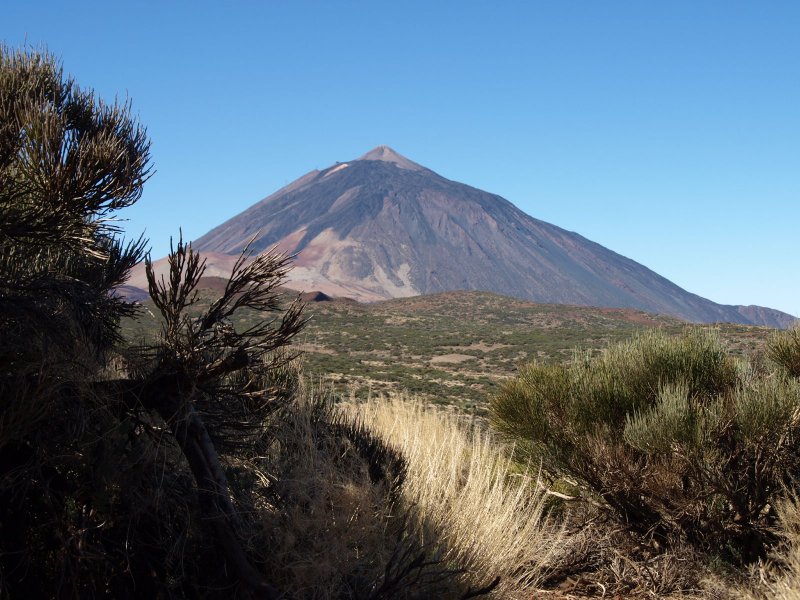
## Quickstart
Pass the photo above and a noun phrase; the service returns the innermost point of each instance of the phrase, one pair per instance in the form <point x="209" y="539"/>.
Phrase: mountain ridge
<point x="382" y="226"/>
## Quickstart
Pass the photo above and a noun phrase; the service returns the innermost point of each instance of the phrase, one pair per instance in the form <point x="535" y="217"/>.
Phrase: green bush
<point x="674" y="437"/>
<point x="784" y="350"/>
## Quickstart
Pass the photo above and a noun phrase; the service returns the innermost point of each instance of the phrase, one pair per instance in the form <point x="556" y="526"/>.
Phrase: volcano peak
<point x="387" y="154"/>
<point x="383" y="226"/>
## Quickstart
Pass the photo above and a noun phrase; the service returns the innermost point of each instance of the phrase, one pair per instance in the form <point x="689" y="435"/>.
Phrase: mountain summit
<point x="386" y="154"/>
<point x="383" y="226"/>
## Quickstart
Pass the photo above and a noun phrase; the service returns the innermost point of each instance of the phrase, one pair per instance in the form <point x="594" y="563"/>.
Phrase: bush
<point x="784" y="350"/>
<point x="67" y="162"/>
<point x="675" y="438"/>
<point x="86" y="505"/>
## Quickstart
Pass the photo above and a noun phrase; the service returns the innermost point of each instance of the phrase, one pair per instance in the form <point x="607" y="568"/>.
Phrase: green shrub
<point x="784" y="349"/>
<point x="675" y="438"/>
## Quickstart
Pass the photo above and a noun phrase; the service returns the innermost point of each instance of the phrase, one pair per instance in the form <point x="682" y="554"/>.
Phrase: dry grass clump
<point x="324" y="520"/>
<point x="467" y="497"/>
<point x="779" y="577"/>
<point x="328" y="524"/>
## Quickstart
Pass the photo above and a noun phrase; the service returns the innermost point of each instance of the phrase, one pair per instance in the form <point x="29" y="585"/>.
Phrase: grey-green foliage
<point x="675" y="436"/>
<point x="592" y="394"/>
<point x="631" y="376"/>
<point x="766" y="411"/>
<point x="669" y="421"/>
<point x="784" y="350"/>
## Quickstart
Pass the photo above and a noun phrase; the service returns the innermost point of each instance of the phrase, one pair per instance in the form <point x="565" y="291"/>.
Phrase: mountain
<point x="383" y="226"/>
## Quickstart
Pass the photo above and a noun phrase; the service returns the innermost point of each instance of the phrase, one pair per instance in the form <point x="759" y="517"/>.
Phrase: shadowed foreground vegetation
<point x="197" y="464"/>
<point x="201" y="463"/>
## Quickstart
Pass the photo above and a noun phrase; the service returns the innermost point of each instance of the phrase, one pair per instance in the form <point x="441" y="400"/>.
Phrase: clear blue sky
<point x="668" y="132"/>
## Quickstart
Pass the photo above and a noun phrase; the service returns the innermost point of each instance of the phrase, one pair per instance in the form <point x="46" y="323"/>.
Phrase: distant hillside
<point x="383" y="226"/>
<point x="378" y="347"/>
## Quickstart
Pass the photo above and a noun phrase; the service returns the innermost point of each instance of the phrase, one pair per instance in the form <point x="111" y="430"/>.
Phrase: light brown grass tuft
<point x="488" y="519"/>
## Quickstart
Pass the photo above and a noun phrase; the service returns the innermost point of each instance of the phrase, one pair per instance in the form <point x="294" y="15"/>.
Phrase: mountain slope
<point x="383" y="227"/>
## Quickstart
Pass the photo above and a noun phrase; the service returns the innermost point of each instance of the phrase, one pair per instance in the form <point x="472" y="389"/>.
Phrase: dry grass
<point x="488" y="519"/>
<point x="327" y="520"/>
<point x="334" y="530"/>
<point x="779" y="579"/>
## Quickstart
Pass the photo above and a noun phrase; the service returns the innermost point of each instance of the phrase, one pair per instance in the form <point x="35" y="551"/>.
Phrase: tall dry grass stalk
<point x="780" y="579"/>
<point x="465" y="492"/>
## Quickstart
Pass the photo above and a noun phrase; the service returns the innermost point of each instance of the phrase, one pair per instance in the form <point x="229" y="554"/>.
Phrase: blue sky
<point x="668" y="132"/>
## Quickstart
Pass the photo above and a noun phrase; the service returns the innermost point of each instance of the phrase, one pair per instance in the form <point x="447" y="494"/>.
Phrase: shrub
<point x="784" y="350"/>
<point x="74" y="438"/>
<point x="67" y="162"/>
<point x="675" y="438"/>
